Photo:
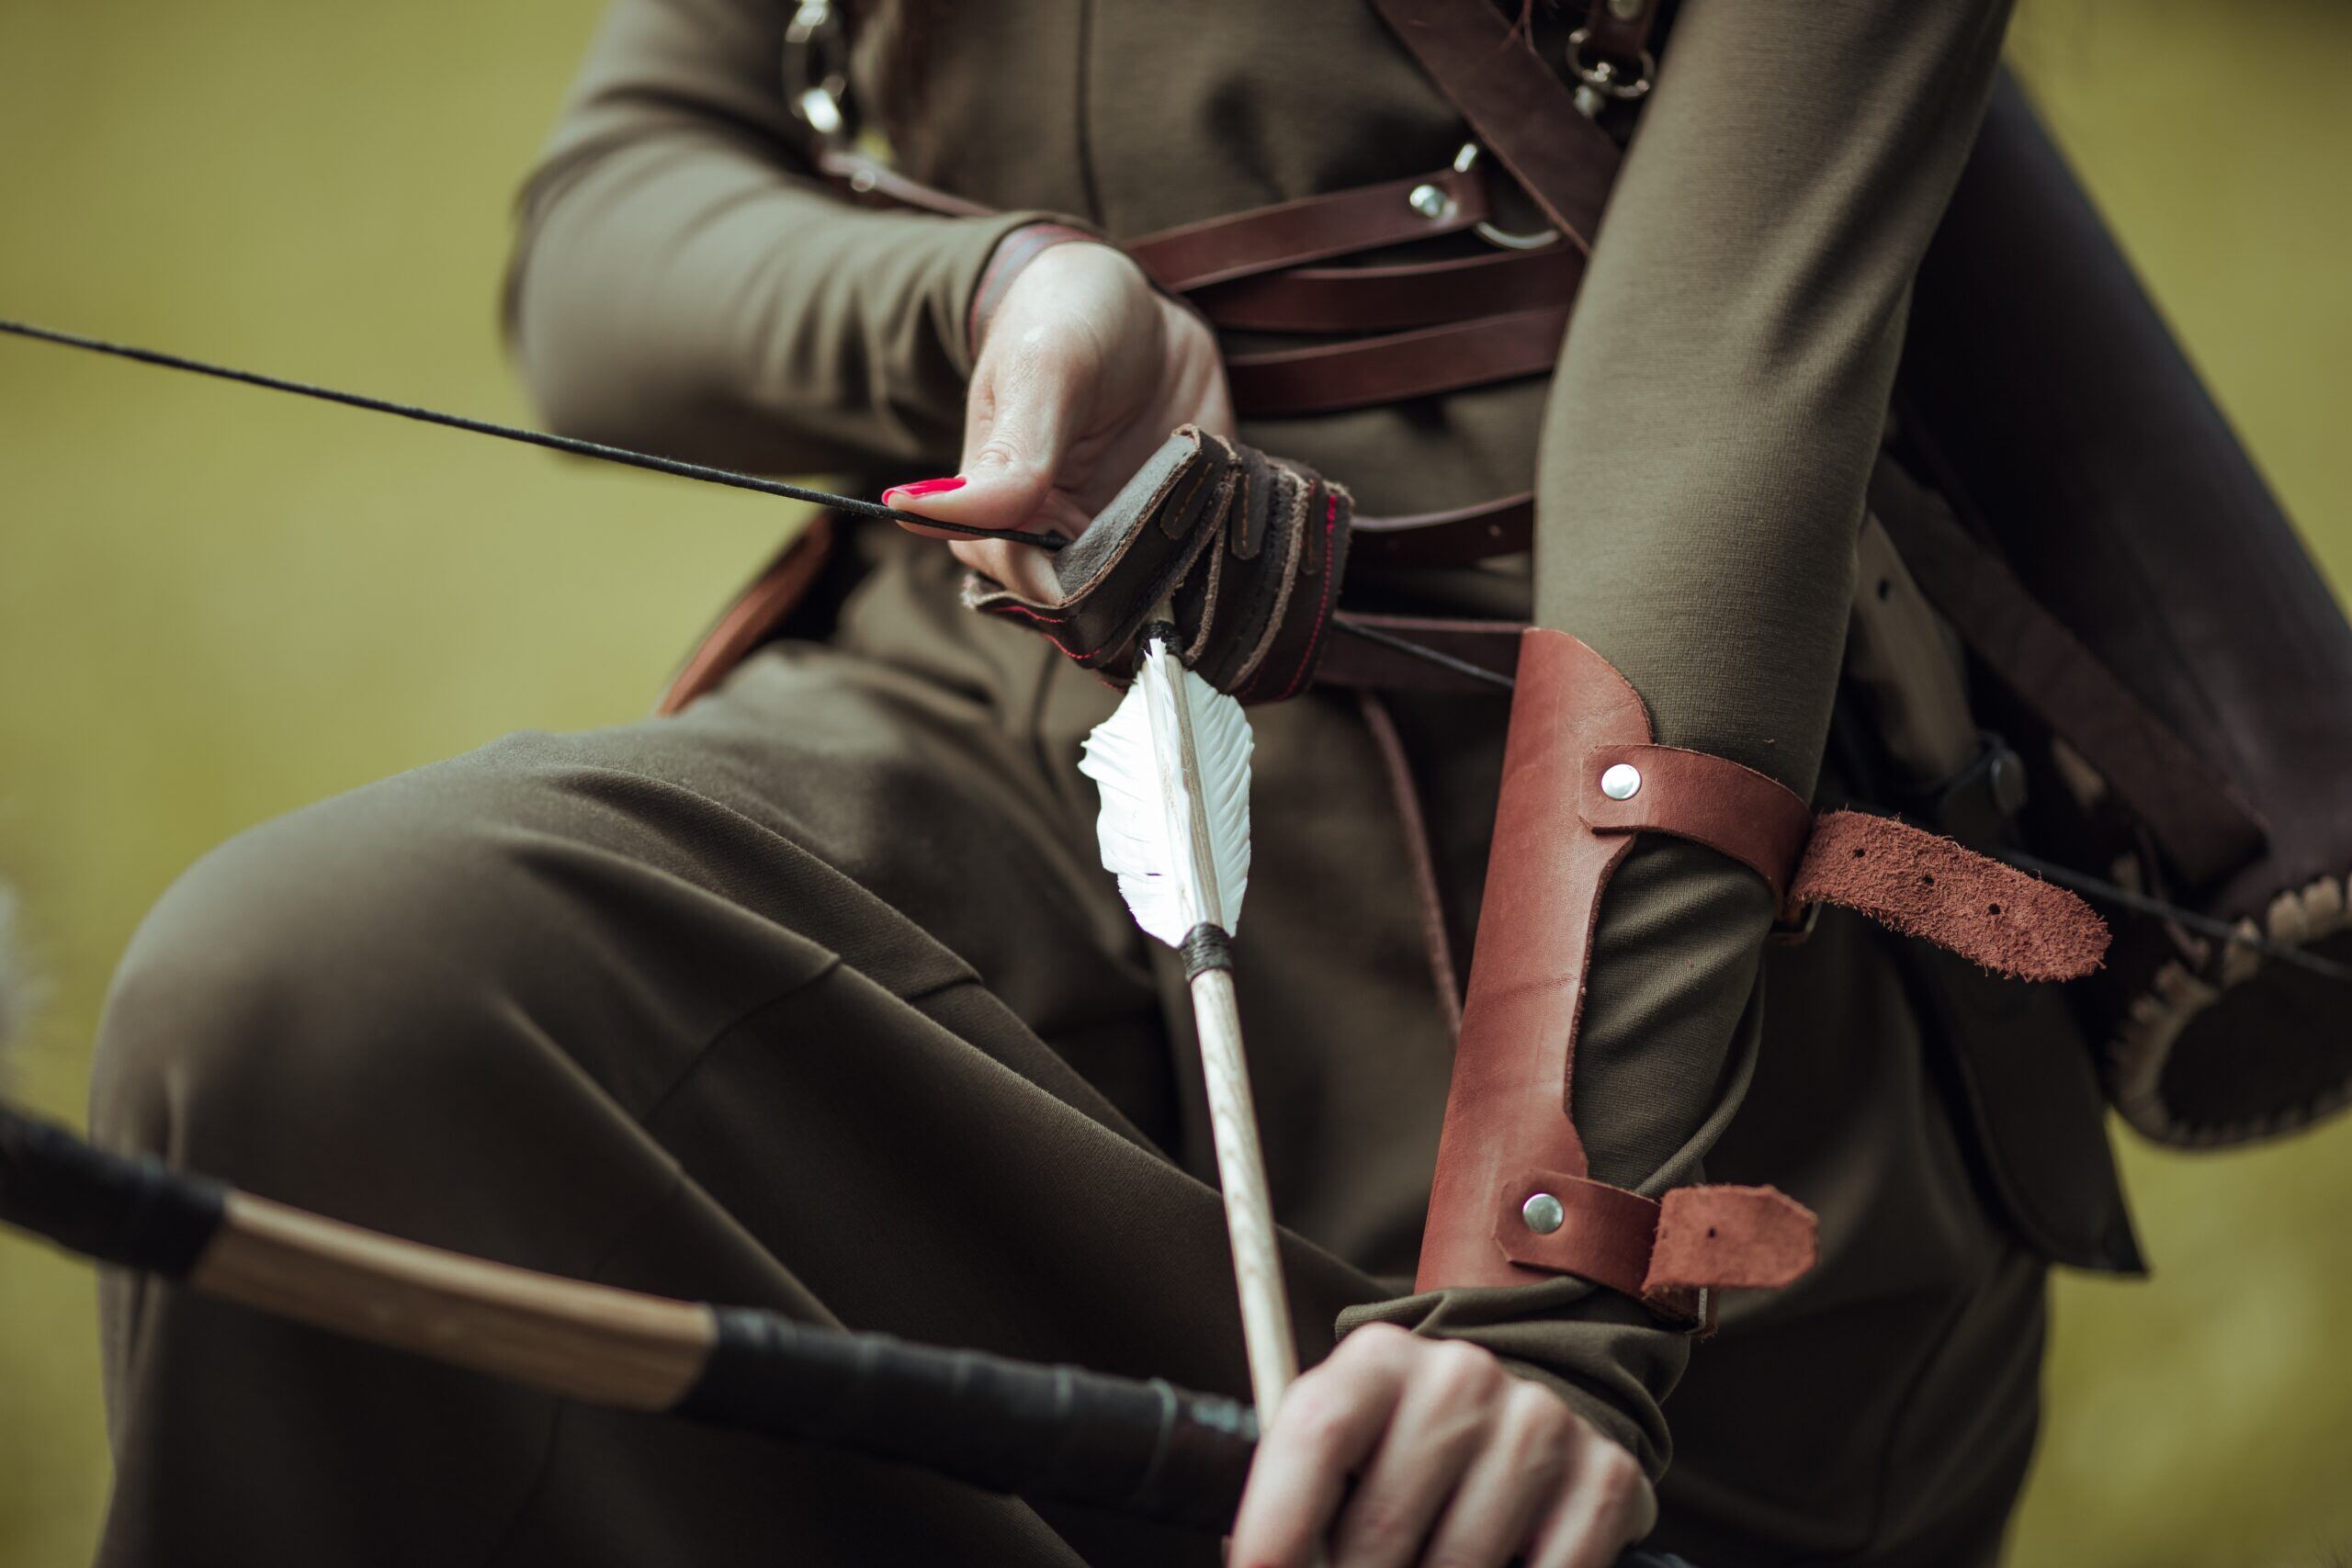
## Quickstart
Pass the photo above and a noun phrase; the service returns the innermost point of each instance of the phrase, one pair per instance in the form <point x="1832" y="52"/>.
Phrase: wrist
<point x="1013" y="256"/>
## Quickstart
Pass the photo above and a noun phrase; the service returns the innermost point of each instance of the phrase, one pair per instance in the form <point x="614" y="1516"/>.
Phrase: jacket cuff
<point x="1601" y="1353"/>
<point x="1008" y="257"/>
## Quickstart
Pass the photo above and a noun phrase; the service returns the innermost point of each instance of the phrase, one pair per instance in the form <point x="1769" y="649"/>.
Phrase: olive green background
<point x="216" y="604"/>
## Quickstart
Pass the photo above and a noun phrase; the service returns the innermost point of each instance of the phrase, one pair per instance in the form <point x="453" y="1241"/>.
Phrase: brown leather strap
<point x="1312" y="228"/>
<point x="2199" y="820"/>
<point x="1461" y="536"/>
<point x="1387" y="298"/>
<point x="1663" y="1252"/>
<point x="754" y="617"/>
<point x="1923" y="885"/>
<point x="1907" y="878"/>
<point x="1521" y="111"/>
<point x="1729" y="1238"/>
<point x="1396" y="367"/>
<point x="1736" y="811"/>
<point x="1605" y="1234"/>
<point x="864" y="176"/>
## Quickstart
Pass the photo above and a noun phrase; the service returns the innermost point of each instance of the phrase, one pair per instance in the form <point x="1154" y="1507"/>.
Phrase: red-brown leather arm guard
<point x="1513" y="1202"/>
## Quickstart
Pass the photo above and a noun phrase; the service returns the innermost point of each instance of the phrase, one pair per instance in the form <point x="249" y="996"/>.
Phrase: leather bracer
<point x="1514" y="1200"/>
<point x="1249" y="547"/>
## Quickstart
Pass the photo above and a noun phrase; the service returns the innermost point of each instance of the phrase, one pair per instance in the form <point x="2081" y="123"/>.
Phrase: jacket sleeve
<point x="1718" y="406"/>
<point x="680" y="282"/>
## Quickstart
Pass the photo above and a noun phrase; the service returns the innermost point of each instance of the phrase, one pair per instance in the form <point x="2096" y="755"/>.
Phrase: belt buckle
<point x="1502" y="238"/>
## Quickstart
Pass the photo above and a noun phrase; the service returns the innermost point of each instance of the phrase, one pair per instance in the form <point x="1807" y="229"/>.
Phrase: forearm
<point x="1717" y="413"/>
<point x="680" y="282"/>
<point x="1722" y="393"/>
<point x="688" y="296"/>
<point x="1707" y="440"/>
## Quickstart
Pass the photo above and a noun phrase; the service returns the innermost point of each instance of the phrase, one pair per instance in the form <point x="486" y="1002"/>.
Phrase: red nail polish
<point x="921" y="488"/>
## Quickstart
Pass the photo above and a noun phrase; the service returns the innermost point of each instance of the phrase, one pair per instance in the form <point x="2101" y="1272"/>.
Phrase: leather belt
<point x="1384" y="299"/>
<point x="881" y="185"/>
<point x="1368" y="372"/>
<point x="1461" y="536"/>
<point x="1313" y="228"/>
<point x="1521" y="111"/>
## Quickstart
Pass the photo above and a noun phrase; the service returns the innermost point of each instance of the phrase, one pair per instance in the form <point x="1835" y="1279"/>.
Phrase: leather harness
<point x="1512" y="1199"/>
<point x="1429" y="327"/>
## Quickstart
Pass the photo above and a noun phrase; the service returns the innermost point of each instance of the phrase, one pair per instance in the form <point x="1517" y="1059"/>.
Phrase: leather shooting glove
<point x="1248" y="551"/>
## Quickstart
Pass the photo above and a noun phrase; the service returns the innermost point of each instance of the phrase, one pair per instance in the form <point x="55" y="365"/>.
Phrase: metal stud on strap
<point x="1430" y="203"/>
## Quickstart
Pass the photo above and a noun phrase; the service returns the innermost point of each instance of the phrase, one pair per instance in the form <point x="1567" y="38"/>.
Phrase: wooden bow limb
<point x="1049" y="1433"/>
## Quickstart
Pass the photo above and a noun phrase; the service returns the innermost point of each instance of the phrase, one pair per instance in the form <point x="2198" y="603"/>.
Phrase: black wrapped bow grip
<point x="1048" y="1433"/>
<point x="1045" y="1432"/>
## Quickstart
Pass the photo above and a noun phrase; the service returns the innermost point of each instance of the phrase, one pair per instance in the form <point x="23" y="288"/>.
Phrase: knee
<point x="295" y="984"/>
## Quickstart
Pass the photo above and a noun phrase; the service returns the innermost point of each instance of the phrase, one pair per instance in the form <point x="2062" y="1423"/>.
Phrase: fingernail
<point x="892" y="496"/>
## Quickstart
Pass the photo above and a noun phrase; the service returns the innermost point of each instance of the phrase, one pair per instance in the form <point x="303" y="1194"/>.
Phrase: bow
<point x="1048" y="1433"/>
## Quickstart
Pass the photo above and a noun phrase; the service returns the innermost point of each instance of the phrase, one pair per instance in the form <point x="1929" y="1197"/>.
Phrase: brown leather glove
<point x="1248" y="549"/>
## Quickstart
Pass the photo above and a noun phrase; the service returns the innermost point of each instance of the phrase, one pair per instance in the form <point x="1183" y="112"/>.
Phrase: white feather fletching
<point x="1146" y="808"/>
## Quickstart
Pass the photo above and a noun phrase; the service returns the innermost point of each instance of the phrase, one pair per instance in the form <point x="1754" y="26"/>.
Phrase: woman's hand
<point x="1455" y="1463"/>
<point x="1082" y="372"/>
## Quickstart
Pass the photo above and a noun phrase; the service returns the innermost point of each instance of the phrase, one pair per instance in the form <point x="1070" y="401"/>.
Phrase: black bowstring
<point x="1422" y="651"/>
<point x="598" y="450"/>
<point x="2114" y="893"/>
<point x="570" y="445"/>
<point x="2203" y="925"/>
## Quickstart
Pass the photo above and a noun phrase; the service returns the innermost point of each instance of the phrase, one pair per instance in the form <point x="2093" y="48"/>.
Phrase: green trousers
<point x="815" y="997"/>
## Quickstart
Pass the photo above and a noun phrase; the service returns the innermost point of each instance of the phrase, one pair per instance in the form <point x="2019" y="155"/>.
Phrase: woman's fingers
<point x="1082" y="371"/>
<point x="1040" y="381"/>
<point x="1608" y="1507"/>
<point x="1514" y="1481"/>
<point x="1035" y="390"/>
<point x="1442" y="1423"/>
<point x="1028" y="401"/>
<point x="1011" y="454"/>
<point x="1453" y="1460"/>
<point x="1329" y="1421"/>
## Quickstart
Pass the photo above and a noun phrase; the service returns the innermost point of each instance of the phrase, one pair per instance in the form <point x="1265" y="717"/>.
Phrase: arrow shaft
<point x="1266" y="1328"/>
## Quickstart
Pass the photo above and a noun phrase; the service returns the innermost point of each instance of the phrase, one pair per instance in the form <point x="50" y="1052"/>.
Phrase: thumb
<point x="1020" y="419"/>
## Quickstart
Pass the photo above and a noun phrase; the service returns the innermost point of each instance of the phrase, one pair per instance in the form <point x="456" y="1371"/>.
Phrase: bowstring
<point x="2083" y="882"/>
<point x="571" y="445"/>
